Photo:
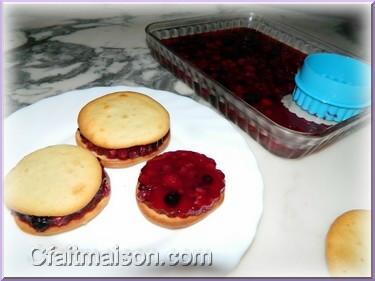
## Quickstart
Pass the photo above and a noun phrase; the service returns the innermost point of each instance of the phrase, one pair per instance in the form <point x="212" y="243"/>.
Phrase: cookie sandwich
<point x="123" y="128"/>
<point x="56" y="189"/>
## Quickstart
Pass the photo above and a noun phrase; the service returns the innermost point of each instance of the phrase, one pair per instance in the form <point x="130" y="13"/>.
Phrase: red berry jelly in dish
<point x="253" y="66"/>
<point x="179" y="185"/>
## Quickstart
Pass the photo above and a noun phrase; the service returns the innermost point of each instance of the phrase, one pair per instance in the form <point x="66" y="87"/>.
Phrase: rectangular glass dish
<point x="244" y="65"/>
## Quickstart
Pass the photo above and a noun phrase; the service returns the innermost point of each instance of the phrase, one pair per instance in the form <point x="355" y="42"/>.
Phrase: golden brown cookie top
<point x="123" y="119"/>
<point x="53" y="181"/>
<point x="348" y="245"/>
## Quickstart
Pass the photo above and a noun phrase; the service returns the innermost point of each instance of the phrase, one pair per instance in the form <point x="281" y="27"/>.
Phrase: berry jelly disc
<point x="180" y="184"/>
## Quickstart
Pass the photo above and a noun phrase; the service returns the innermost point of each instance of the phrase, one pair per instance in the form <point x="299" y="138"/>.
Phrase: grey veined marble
<point x="79" y="54"/>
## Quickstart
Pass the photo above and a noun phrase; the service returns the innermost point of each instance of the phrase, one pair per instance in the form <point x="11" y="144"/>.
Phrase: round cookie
<point x="348" y="245"/>
<point x="123" y="119"/>
<point x="179" y="188"/>
<point x="53" y="181"/>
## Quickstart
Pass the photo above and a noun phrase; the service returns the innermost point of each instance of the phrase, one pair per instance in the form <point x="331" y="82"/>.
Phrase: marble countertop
<point x="49" y="52"/>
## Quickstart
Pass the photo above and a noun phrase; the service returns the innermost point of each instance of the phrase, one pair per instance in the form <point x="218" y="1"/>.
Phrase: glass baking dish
<point x="277" y="137"/>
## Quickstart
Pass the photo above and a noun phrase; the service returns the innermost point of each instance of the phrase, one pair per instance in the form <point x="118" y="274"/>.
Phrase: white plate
<point x="227" y="232"/>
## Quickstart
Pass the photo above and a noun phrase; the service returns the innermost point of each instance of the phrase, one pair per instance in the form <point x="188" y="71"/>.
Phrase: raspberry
<point x="171" y="180"/>
<point x="122" y="154"/>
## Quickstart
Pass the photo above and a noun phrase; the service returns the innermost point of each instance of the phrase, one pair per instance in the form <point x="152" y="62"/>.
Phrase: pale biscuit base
<point x="174" y="222"/>
<point x="54" y="181"/>
<point x="117" y="163"/>
<point x="123" y="119"/>
<point x="71" y="225"/>
<point x="348" y="245"/>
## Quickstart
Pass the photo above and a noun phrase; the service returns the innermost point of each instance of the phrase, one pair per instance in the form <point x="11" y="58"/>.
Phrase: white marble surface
<point x="51" y="49"/>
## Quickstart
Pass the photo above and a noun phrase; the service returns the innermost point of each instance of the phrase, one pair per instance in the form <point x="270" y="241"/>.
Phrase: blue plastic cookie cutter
<point x="333" y="87"/>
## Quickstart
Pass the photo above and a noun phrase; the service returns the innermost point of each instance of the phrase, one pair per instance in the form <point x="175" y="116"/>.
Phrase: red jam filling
<point x="253" y="66"/>
<point x="41" y="224"/>
<point x="125" y="153"/>
<point x="180" y="184"/>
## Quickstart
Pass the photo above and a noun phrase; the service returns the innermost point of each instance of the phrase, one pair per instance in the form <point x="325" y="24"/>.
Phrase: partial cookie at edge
<point x="348" y="245"/>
